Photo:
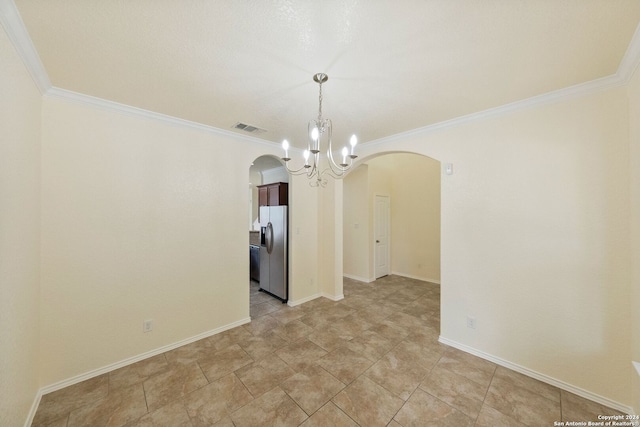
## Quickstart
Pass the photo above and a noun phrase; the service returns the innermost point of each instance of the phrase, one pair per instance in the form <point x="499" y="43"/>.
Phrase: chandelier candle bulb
<point x="315" y="137"/>
<point x="353" y="141"/>
<point x="305" y="154"/>
<point x="344" y="157"/>
<point x="285" y="146"/>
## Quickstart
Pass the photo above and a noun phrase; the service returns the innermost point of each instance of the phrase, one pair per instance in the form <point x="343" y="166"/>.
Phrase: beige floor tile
<point x="312" y="388"/>
<point x="531" y="384"/>
<point x="490" y="417"/>
<point x="137" y="372"/>
<point x="288" y="314"/>
<point x="225" y="422"/>
<point x="469" y="366"/>
<point x="521" y="404"/>
<point x="576" y="408"/>
<point x="293" y="330"/>
<point x="375" y="313"/>
<point x="318" y="303"/>
<point x="370" y="344"/>
<point x="261" y="325"/>
<point x="224" y="362"/>
<point x="259" y="297"/>
<point x="228" y="338"/>
<point x="264" y="374"/>
<point x="404" y="322"/>
<point x="329" y="339"/>
<point x="367" y="403"/>
<point x="301" y="354"/>
<point x="213" y="402"/>
<point x="398" y="373"/>
<point x="173" y="384"/>
<point x="329" y="416"/>
<point x="274" y="408"/>
<point x="422" y="353"/>
<point x="389" y="331"/>
<point x="190" y="353"/>
<point x="455" y="390"/>
<point x="344" y="364"/>
<point x="119" y="408"/>
<point x="173" y="414"/>
<point x="258" y="346"/>
<point x="337" y="311"/>
<point x="316" y="319"/>
<point x="422" y="409"/>
<point x="352" y="325"/>
<point x="257" y="310"/>
<point x="58" y="404"/>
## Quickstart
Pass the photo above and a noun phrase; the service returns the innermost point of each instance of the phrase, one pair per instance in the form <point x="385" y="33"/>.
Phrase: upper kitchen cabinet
<point x="275" y="194"/>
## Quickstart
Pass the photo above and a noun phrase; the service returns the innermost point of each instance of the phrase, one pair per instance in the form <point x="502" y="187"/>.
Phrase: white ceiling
<point x="392" y="66"/>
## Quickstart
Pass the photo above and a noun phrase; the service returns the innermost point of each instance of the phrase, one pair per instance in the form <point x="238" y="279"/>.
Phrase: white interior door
<point x="381" y="235"/>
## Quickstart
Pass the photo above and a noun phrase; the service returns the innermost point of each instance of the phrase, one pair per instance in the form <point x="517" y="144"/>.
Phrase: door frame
<point x="375" y="246"/>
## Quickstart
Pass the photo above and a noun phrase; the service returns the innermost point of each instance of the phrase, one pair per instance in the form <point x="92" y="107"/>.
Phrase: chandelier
<point x="320" y="136"/>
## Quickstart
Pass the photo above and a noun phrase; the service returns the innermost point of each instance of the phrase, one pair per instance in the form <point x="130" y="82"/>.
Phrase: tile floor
<point x="372" y="359"/>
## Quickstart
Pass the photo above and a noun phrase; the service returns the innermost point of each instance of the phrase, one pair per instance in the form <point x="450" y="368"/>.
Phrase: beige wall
<point x="303" y="240"/>
<point x="535" y="239"/>
<point x="356" y="237"/>
<point x="330" y="269"/>
<point x="412" y="183"/>
<point x="19" y="236"/>
<point x="634" y="121"/>
<point x="141" y="220"/>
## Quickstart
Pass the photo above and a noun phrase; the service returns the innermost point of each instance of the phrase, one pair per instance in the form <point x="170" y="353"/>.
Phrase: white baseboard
<point x="333" y="297"/>
<point x="94" y="373"/>
<point x="358" y="278"/>
<point x="410" y="276"/>
<point x="538" y="376"/>
<point x="314" y="296"/>
<point x="34" y="408"/>
<point x="292" y="303"/>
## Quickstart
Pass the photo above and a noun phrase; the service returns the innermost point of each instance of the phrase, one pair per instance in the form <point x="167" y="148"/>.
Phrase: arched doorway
<point x="268" y="193"/>
<point x="410" y="183"/>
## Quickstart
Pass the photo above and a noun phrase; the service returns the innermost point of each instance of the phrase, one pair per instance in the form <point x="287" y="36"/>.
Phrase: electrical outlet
<point x="471" y="322"/>
<point x="147" y="325"/>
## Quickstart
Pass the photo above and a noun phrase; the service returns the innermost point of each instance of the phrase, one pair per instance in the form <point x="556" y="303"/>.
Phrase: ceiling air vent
<point x="248" y="128"/>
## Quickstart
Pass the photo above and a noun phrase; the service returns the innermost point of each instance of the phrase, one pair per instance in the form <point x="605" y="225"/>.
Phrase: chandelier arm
<point x="336" y="169"/>
<point x="301" y="171"/>
<point x="332" y="173"/>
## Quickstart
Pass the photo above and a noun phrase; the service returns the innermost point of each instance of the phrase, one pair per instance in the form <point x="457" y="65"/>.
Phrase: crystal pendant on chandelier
<point x="319" y="131"/>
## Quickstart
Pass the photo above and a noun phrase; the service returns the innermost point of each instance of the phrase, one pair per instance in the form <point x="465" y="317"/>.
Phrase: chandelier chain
<point x="320" y="103"/>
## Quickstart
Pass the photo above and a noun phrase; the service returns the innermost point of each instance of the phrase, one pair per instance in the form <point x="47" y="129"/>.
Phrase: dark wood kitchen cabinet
<point x="276" y="194"/>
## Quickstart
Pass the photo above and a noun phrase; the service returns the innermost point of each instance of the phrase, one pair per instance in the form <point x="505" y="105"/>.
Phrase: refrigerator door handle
<point x="269" y="237"/>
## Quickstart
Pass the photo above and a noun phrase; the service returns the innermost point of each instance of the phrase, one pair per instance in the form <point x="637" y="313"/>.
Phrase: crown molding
<point x="576" y="91"/>
<point x="628" y="66"/>
<point x="103" y="104"/>
<point x="631" y="60"/>
<point x="15" y="29"/>
<point x="17" y="33"/>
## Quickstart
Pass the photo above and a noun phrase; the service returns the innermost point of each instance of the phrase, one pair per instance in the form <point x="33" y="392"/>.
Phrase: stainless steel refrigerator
<point x="274" y="251"/>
